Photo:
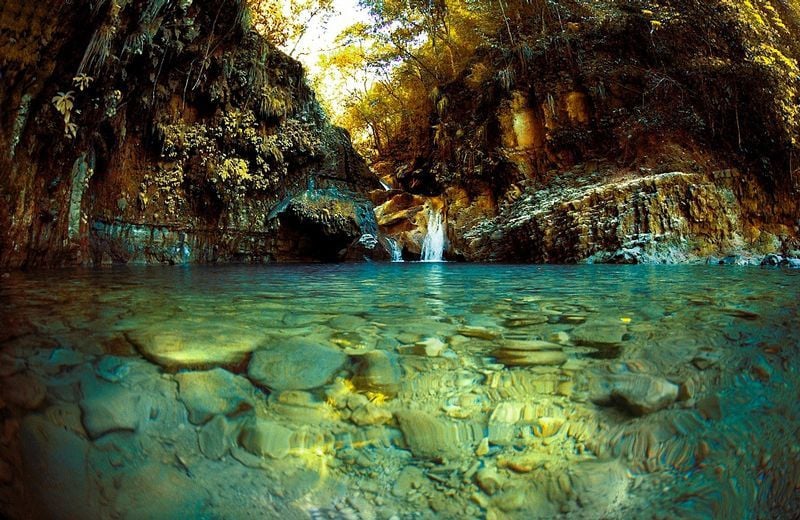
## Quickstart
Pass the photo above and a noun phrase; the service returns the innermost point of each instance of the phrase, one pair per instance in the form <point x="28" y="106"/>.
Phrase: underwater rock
<point x="54" y="468"/>
<point x="436" y="438"/>
<point x="196" y="347"/>
<point x="214" y="437"/>
<point x="300" y="407"/>
<point x="431" y="347"/>
<point x="503" y="420"/>
<point x="213" y="392"/>
<point x="600" y="486"/>
<point x="263" y="437"/>
<point x="370" y="414"/>
<point x="479" y="332"/>
<point x="295" y="365"/>
<point x="640" y="394"/>
<point x="706" y="359"/>
<point x="347" y="322"/>
<point x="110" y="408"/>
<point x="112" y="368"/>
<point x="155" y="490"/>
<point x="25" y="391"/>
<point x="547" y="426"/>
<point x="378" y="371"/>
<point x="490" y="480"/>
<point x="530" y="353"/>
<point x="61" y="359"/>
<point x="601" y="334"/>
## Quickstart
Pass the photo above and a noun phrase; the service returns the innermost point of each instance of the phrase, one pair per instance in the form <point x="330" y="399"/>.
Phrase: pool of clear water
<point x="416" y="390"/>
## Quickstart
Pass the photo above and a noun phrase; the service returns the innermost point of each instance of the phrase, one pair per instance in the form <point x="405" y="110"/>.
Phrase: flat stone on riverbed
<point x="110" y="408"/>
<point x="194" y="346"/>
<point x="639" y="394"/>
<point x="599" y="333"/>
<point x="295" y="365"/>
<point x="213" y="392"/>
<point x="263" y="437"/>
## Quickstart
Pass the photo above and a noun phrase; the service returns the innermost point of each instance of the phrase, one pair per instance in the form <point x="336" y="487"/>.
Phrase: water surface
<point x="401" y="391"/>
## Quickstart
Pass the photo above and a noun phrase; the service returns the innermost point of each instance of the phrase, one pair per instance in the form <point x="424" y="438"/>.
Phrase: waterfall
<point x="433" y="244"/>
<point x="395" y="250"/>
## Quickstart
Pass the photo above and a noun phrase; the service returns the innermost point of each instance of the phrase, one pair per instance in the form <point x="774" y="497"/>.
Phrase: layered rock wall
<point x="156" y="131"/>
<point x="605" y="127"/>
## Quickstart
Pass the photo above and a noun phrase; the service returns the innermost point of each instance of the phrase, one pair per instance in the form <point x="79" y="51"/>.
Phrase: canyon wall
<point x="169" y="132"/>
<point x="617" y="131"/>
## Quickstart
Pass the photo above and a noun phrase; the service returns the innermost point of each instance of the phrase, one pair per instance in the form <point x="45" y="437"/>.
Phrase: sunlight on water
<point x="406" y="390"/>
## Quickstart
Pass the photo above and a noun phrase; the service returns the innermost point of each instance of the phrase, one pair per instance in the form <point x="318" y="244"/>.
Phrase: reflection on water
<point x="405" y="390"/>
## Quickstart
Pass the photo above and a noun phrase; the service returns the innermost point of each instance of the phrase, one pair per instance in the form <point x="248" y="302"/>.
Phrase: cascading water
<point x="394" y="249"/>
<point x="433" y="244"/>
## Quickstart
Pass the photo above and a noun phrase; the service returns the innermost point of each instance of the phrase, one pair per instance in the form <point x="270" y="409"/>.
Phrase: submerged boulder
<point x="213" y="392"/>
<point x="295" y="365"/>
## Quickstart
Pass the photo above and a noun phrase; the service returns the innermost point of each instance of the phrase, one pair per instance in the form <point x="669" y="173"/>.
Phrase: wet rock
<point x="295" y="365"/>
<point x="502" y="422"/>
<point x="640" y="394"/>
<point x="199" y="346"/>
<point x="155" y="490"/>
<point x="213" y="392"/>
<point x="547" y="426"/>
<point x="112" y="368"/>
<point x="489" y="480"/>
<point x="23" y="390"/>
<point x="347" y="322"/>
<point x="10" y="365"/>
<point x="214" y="437"/>
<point x="432" y="437"/>
<point x="483" y="447"/>
<point x="479" y="333"/>
<point x="706" y="359"/>
<point x="263" y="437"/>
<point x="110" y="408"/>
<point x="511" y="500"/>
<point x="530" y="353"/>
<point x="54" y="468"/>
<point x="378" y="371"/>
<point x="772" y="260"/>
<point x="300" y="407"/>
<point x="409" y="479"/>
<point x="370" y="414"/>
<point x="67" y="416"/>
<point x="600" y="486"/>
<point x="431" y="347"/>
<point x="601" y="334"/>
<point x="62" y="359"/>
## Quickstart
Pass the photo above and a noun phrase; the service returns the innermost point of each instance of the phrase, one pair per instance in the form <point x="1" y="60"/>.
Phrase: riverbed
<point x="405" y="390"/>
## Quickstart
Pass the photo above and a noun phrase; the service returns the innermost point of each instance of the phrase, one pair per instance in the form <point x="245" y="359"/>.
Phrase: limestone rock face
<point x="147" y="162"/>
<point x="554" y="159"/>
<point x="671" y="217"/>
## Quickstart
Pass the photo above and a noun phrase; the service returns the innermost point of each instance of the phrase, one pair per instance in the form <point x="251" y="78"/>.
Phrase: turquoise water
<point x="400" y="391"/>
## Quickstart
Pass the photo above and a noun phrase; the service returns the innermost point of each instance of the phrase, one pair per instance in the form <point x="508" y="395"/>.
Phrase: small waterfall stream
<point x="395" y="250"/>
<point x="433" y="244"/>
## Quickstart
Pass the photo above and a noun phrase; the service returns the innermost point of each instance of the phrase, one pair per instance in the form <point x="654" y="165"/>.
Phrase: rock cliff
<point x="155" y="131"/>
<point x="617" y="131"/>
